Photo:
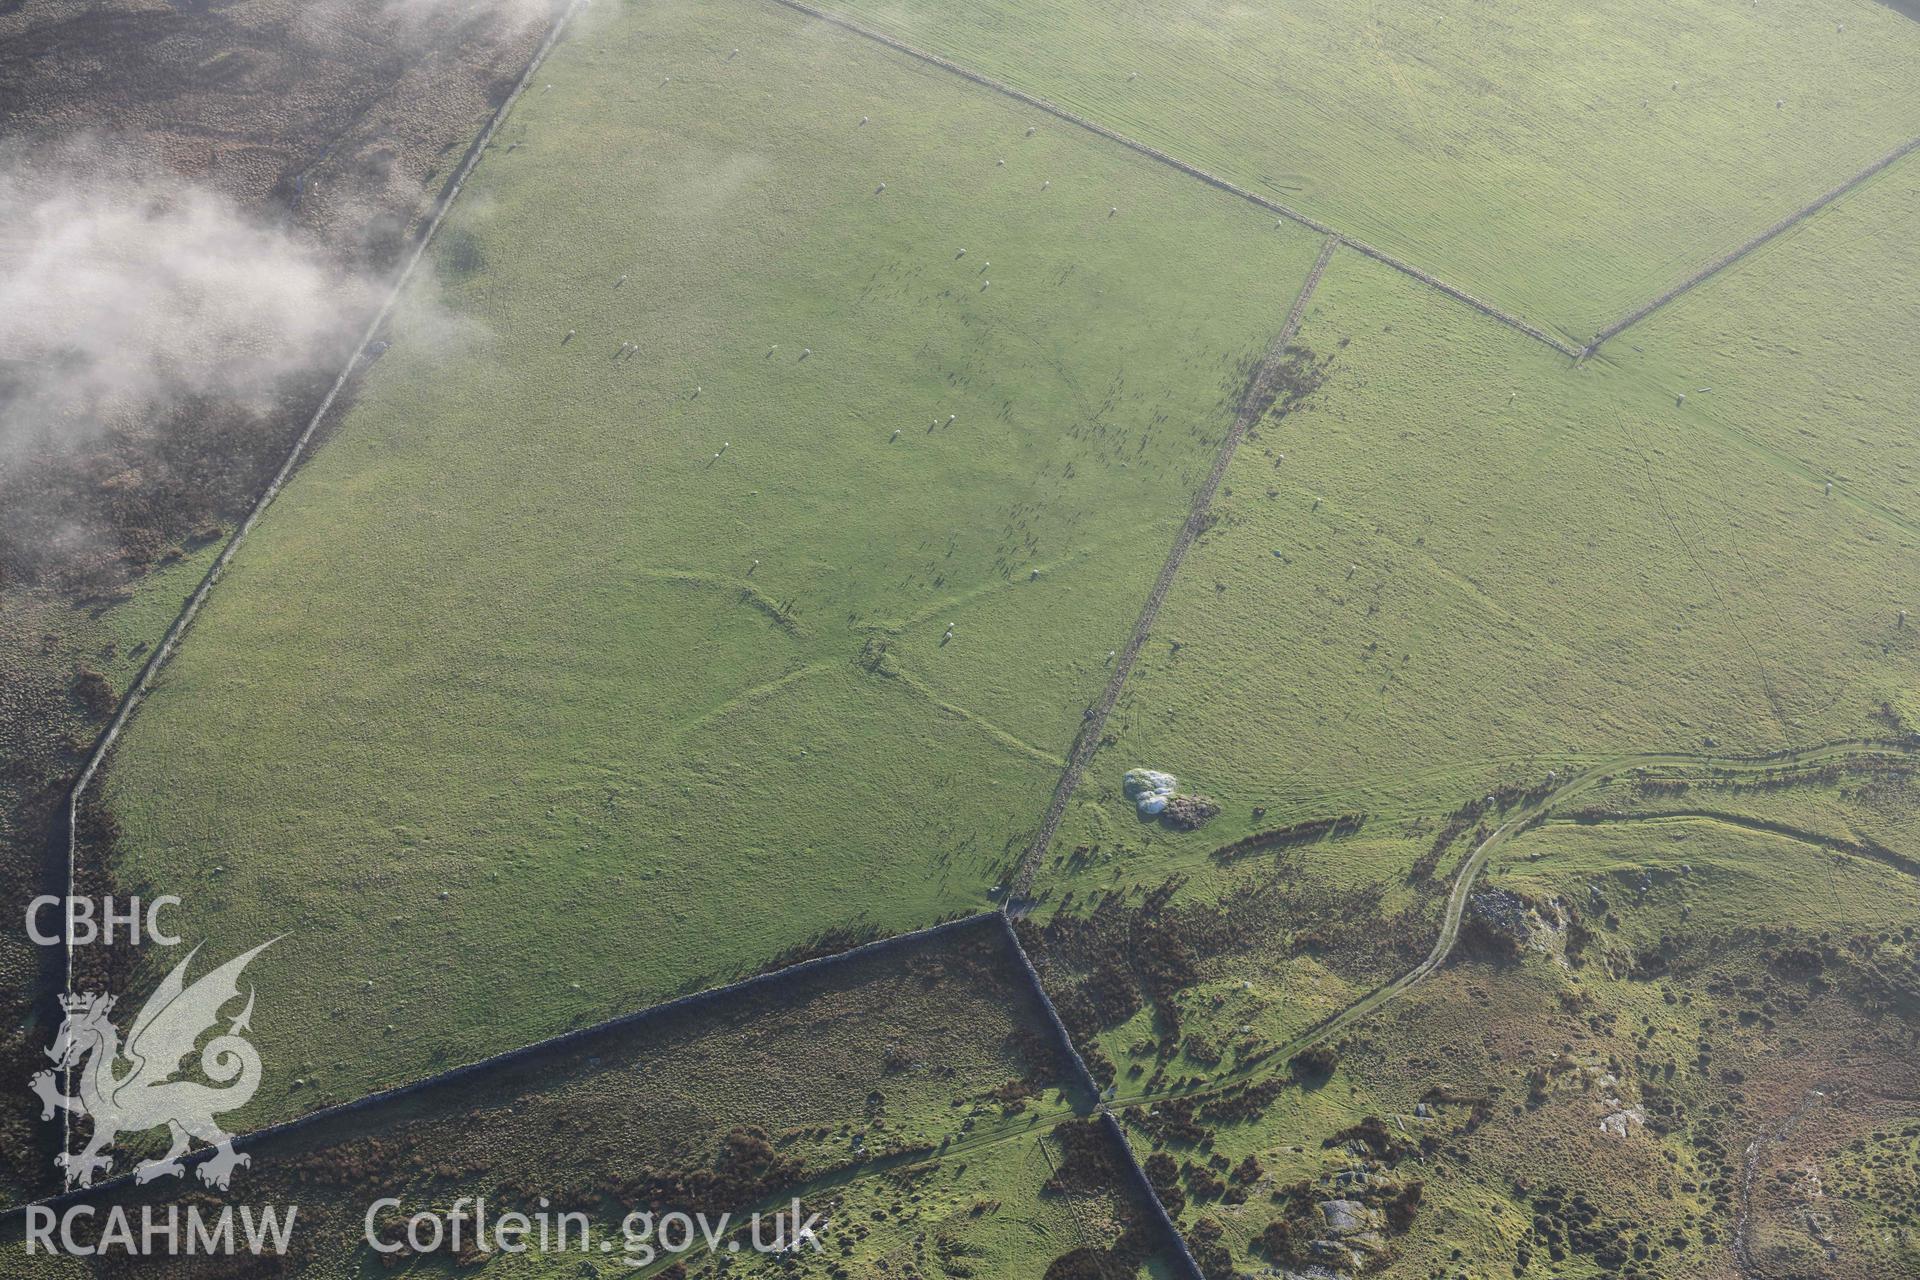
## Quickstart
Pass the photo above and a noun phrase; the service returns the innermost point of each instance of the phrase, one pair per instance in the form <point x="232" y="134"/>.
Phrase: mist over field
<point x="122" y="296"/>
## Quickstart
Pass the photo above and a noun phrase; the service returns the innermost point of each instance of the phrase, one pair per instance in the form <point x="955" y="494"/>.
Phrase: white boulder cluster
<point x="1149" y="789"/>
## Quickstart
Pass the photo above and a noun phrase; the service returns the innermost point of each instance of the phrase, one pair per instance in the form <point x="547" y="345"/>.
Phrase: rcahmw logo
<point x="162" y="1230"/>
<point x="149" y="1093"/>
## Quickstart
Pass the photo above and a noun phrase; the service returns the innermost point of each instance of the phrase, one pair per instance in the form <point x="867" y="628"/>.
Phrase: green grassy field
<point x="1801" y="354"/>
<point x="1465" y="562"/>
<point x="1567" y="161"/>
<point x="528" y="709"/>
<point x="773" y="453"/>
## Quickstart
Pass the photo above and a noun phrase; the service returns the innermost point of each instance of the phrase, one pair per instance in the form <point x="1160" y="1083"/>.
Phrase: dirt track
<point x="1523" y="819"/>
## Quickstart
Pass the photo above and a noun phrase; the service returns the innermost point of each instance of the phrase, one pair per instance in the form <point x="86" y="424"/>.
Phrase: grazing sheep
<point x="805" y="352"/>
<point x="863" y="122"/>
<point x="882" y="187"/>
<point x="1115" y="209"/>
<point x="1029" y="131"/>
<point x="959" y="255"/>
<point x="569" y="338"/>
<point x="617" y="283"/>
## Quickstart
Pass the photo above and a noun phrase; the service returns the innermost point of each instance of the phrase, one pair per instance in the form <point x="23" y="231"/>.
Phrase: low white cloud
<point x="124" y="294"/>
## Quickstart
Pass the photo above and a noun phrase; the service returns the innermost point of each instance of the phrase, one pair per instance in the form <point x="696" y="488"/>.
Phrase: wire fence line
<point x="1089" y="737"/>
<point x="1136" y="1172"/>
<point x="1192" y="170"/>
<point x="1735" y="254"/>
<point x="1254" y="401"/>
<point x="552" y="1045"/>
<point x="136" y="693"/>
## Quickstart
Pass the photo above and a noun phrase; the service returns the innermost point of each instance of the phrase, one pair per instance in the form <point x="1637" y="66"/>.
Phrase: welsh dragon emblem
<point x="146" y="1095"/>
